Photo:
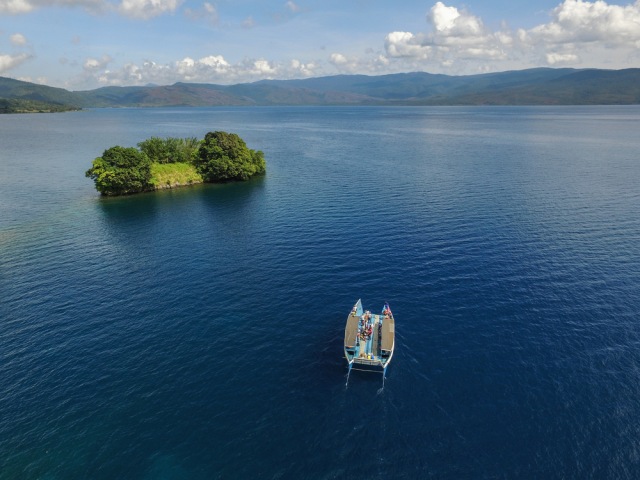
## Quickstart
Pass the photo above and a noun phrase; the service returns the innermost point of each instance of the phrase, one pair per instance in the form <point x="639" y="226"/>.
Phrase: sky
<point x="86" y="44"/>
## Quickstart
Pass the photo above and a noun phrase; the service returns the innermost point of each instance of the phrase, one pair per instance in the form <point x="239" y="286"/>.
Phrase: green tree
<point x="120" y="171"/>
<point x="189" y="149"/>
<point x="170" y="150"/>
<point x="224" y="157"/>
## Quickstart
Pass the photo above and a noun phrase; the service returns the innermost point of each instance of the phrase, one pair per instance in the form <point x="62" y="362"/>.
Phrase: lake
<point x="197" y="333"/>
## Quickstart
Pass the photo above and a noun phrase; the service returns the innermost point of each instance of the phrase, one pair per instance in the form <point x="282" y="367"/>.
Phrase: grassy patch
<point x="165" y="174"/>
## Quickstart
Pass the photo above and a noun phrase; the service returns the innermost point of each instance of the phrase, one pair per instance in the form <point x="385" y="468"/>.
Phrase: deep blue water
<point x="197" y="333"/>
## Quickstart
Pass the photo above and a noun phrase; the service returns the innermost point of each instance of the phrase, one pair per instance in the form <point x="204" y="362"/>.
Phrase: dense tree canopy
<point x="224" y="157"/>
<point x="120" y="171"/>
<point x="170" y="150"/>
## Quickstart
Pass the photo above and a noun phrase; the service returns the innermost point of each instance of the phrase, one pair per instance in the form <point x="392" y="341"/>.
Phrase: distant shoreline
<point x="17" y="106"/>
<point x="535" y="86"/>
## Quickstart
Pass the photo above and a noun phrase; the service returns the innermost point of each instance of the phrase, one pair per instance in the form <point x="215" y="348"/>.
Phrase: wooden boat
<point x="369" y="339"/>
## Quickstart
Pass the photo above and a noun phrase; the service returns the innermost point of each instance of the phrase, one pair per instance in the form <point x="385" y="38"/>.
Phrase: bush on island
<point x="224" y="157"/>
<point x="120" y="171"/>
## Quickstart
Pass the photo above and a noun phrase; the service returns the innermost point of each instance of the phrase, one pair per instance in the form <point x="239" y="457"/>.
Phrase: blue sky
<point x="84" y="44"/>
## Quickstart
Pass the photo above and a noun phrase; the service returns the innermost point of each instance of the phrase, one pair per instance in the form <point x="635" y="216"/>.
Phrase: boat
<point x="369" y="339"/>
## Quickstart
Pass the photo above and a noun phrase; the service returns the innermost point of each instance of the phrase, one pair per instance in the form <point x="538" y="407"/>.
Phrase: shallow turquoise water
<point x="197" y="333"/>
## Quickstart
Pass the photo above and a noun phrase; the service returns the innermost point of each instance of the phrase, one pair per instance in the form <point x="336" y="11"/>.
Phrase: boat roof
<point x="388" y="333"/>
<point x="351" y="330"/>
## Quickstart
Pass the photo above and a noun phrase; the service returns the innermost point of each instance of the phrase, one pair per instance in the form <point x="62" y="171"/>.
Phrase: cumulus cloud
<point x="8" y="62"/>
<point x="562" y="58"/>
<point x="95" y="64"/>
<point x="143" y="9"/>
<point x="15" y="7"/>
<point x="372" y="64"/>
<point x="299" y="68"/>
<point x="587" y="22"/>
<point x="338" y="59"/>
<point x="209" y="69"/>
<point x="147" y="8"/>
<point x="451" y="22"/>
<point x="406" y="44"/>
<point x="453" y="35"/>
<point x="18" y="39"/>
<point x="593" y="33"/>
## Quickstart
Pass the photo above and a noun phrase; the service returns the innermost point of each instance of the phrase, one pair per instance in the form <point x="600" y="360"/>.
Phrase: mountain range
<point x="539" y="86"/>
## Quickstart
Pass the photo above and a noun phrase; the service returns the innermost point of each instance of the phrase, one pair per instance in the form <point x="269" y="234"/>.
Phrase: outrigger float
<point x="369" y="340"/>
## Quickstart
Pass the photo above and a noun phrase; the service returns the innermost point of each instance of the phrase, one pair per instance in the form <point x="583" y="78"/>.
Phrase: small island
<point x="160" y="163"/>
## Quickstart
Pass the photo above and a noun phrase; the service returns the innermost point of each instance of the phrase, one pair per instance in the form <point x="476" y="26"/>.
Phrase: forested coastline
<point x="159" y="163"/>
<point x="12" y="105"/>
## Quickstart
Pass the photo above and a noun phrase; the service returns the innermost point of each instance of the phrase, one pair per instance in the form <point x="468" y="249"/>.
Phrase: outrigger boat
<point x="369" y="340"/>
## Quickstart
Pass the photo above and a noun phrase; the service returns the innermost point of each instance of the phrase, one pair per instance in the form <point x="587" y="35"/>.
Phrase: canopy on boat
<point x="351" y="331"/>
<point x="388" y="333"/>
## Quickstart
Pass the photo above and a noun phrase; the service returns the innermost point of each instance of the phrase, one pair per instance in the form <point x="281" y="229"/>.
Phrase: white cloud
<point x="262" y="68"/>
<point x="562" y="58"/>
<point x="304" y="69"/>
<point x="215" y="61"/>
<point x="372" y="64"/>
<point x="8" y="62"/>
<point x="587" y="22"/>
<point x="338" y="59"/>
<point x="145" y="9"/>
<point x="95" y="64"/>
<point x="209" y="69"/>
<point x="406" y="44"/>
<point x="18" y="39"/>
<point x="15" y="7"/>
<point x="450" y="21"/>
<point x="454" y="35"/>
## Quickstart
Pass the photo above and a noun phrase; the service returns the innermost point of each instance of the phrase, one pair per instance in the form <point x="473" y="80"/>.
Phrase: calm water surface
<point x="197" y="333"/>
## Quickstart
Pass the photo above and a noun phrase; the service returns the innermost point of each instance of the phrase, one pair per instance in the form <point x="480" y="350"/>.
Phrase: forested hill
<point x="541" y="86"/>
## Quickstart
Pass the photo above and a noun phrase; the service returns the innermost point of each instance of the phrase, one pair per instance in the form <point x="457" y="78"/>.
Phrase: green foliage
<point x="120" y="171"/>
<point x="170" y="150"/>
<point x="224" y="157"/>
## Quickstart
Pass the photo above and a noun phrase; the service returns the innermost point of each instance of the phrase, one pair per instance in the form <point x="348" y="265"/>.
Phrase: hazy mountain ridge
<point x="540" y="86"/>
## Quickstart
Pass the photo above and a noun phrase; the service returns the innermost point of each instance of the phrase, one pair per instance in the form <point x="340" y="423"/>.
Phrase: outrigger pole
<point x="348" y="372"/>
